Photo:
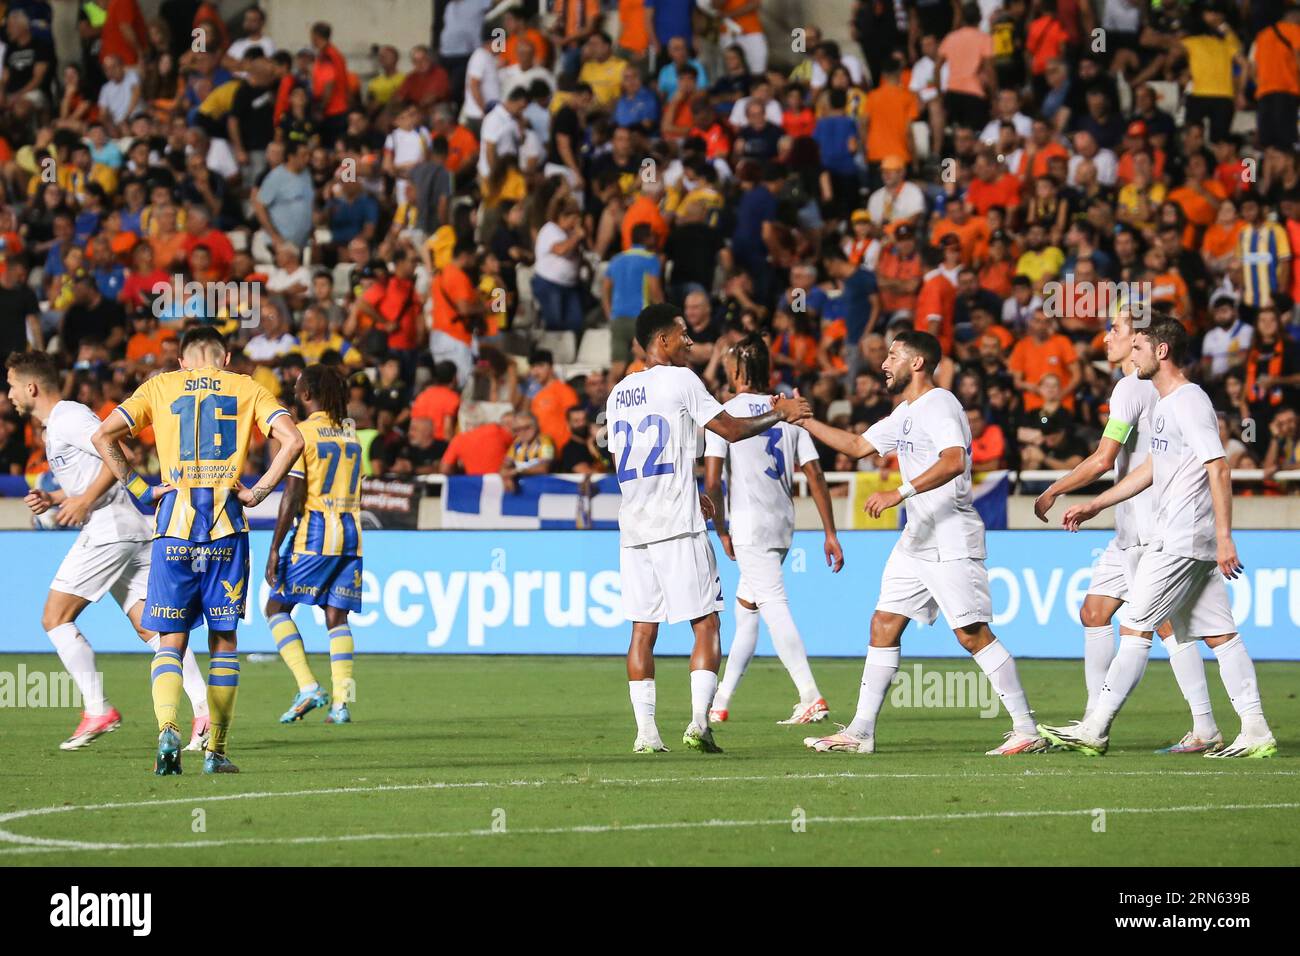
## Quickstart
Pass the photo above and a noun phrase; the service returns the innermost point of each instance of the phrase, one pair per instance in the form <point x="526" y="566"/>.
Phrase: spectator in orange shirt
<point x="1199" y="196"/>
<point x="636" y="30"/>
<point x="645" y="208"/>
<point x="970" y="231"/>
<point x="457" y="309"/>
<point x="997" y="271"/>
<point x="1043" y="352"/>
<point x="480" y="450"/>
<point x="1219" y="245"/>
<point x="936" y="303"/>
<point x="898" y="273"/>
<point x="991" y="185"/>
<point x="1167" y="287"/>
<point x="329" y="83"/>
<point x="552" y="398"/>
<point x="125" y="34"/>
<point x="517" y="28"/>
<point x="440" y="402"/>
<point x="1276" y="69"/>
<point x="988" y="446"/>
<point x="462" y="145"/>
<point x="889" y="112"/>
<point x="145" y="344"/>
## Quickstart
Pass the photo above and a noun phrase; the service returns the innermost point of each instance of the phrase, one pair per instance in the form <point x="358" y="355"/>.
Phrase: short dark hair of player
<point x="923" y="344"/>
<point x="1164" y="330"/>
<point x="753" y="361"/>
<point x="38" y="366"/>
<point x="653" y="320"/>
<point x="200" y="335"/>
<point x="326" y="386"/>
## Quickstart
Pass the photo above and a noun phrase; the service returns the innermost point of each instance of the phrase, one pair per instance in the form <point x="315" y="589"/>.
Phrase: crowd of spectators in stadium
<point x="469" y="227"/>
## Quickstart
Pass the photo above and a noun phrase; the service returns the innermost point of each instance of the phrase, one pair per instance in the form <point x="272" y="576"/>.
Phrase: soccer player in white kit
<point x="755" y="523"/>
<point x="1180" y="576"/>
<point x="1124" y="446"/>
<point x="653" y="420"/>
<point x="938" y="562"/>
<point x="111" y="554"/>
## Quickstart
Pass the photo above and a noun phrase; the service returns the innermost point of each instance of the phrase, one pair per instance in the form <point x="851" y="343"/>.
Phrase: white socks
<point x="1000" y="668"/>
<point x="1125" y="672"/>
<point x="78" y="659"/>
<point x="196" y="685"/>
<point x="789" y="647"/>
<point x="1189" y="671"/>
<point x="877" y="673"/>
<point x="1098" y="652"/>
<point x="741" y="653"/>
<point x="642" y="693"/>
<point x="704" y="684"/>
<point x="1238" y="673"/>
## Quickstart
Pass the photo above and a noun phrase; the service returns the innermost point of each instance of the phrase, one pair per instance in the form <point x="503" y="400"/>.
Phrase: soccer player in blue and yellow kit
<point x="322" y="566"/>
<point x="203" y="418"/>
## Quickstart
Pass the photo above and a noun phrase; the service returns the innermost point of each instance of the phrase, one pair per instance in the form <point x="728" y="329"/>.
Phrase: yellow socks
<point x="341" y="665"/>
<point x="168" y="682"/>
<point x="289" y="643"/>
<point x="223" y="687"/>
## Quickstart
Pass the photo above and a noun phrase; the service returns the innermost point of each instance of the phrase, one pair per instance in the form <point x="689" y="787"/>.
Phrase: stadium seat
<point x="921" y="139"/>
<point x="562" y="345"/>
<point x="595" y="347"/>
<point x="526" y="312"/>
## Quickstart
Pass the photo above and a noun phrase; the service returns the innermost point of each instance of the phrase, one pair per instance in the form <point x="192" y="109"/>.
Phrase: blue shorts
<point x="330" y="580"/>
<point x="189" y="581"/>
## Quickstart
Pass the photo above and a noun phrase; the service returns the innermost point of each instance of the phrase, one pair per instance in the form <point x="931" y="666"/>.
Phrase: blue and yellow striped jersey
<point x="1261" y="249"/>
<point x="331" y="466"/>
<point x="203" y="423"/>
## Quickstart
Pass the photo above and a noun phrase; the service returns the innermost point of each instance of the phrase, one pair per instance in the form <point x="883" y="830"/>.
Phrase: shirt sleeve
<point x="79" y="435"/>
<point x="265" y="408"/>
<point x="715" y="446"/>
<point x="1125" y="411"/>
<point x="1201" y="429"/>
<point x="138" y="409"/>
<point x="883" y="436"/>
<point x="949" y="430"/>
<point x="805" y="450"/>
<point x="700" y="405"/>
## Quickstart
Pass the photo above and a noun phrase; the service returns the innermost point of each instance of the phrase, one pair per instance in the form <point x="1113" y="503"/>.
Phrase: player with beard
<point x="1180" y="576"/>
<point x="1124" y="446"/>
<point x="938" y="563"/>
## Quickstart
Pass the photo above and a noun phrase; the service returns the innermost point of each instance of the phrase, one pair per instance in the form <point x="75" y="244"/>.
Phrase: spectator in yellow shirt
<point x="601" y="70"/>
<point x="1039" y="261"/>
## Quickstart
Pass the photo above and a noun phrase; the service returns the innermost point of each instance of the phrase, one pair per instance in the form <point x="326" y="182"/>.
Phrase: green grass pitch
<point x="526" y="760"/>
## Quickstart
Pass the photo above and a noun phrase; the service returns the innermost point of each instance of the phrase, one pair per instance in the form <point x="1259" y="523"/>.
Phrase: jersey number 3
<point x="205" y="437"/>
<point x="652" y="466"/>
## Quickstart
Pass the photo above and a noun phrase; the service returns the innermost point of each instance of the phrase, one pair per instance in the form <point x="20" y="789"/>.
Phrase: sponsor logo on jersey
<point x="168" y="613"/>
<point x="233" y="591"/>
<point x="1160" y="424"/>
<point x="907" y="425"/>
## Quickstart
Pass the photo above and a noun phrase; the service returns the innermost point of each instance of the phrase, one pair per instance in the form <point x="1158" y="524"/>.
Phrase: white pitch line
<point x="44" y="846"/>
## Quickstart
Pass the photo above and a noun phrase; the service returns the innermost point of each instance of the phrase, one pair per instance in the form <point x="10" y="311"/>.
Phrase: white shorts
<point x="919" y="589"/>
<point x="755" y="47"/>
<point x="92" y="570"/>
<point x="670" y="581"/>
<point x="1192" y="595"/>
<point x="1114" y="570"/>
<point x="761" y="580"/>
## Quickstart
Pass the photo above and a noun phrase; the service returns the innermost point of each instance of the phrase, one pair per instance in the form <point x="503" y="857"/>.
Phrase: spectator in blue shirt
<point x="638" y="107"/>
<point x="109" y="274"/>
<point x="352" y="213"/>
<point x="632" y="281"/>
<point x="837" y="139"/>
<point x="283" y="203"/>
<point x="673" y="19"/>
<point x="757" y="208"/>
<point x="679" y="56"/>
<point x="859" y="304"/>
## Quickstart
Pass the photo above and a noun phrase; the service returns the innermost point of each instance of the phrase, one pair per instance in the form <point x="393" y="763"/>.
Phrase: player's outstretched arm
<point x="732" y="429"/>
<point x="1221" y="497"/>
<point x="284" y="431"/>
<point x="821" y="496"/>
<point x="713" y="489"/>
<point x="1081" y="475"/>
<point x="291" y="502"/>
<point x="1135" y="482"/>
<point x="846" y="443"/>
<point x="951" y="463"/>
